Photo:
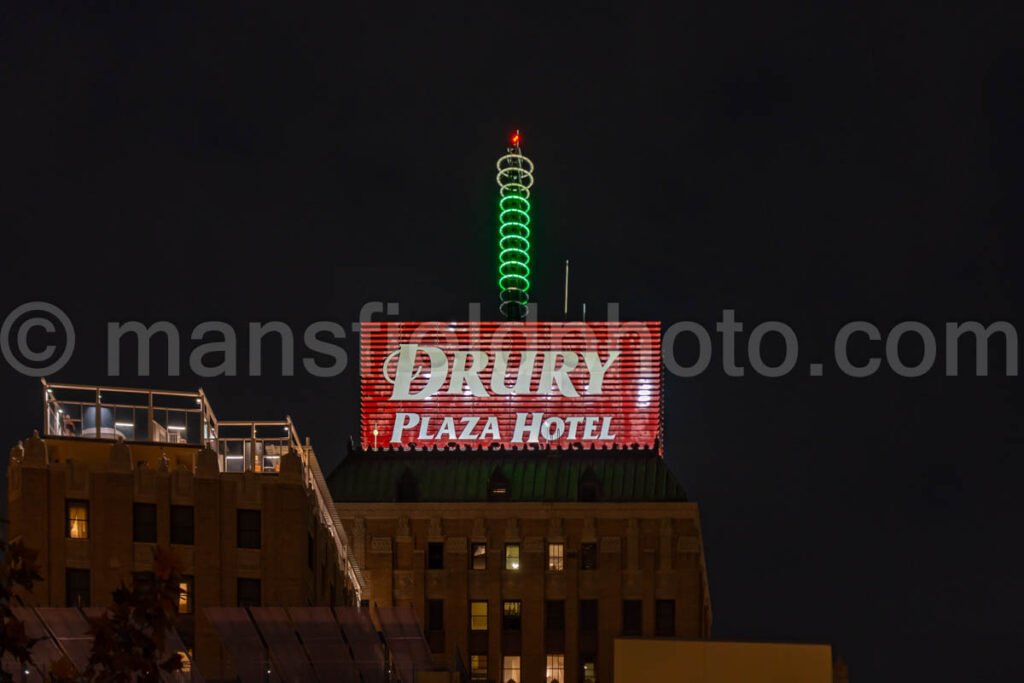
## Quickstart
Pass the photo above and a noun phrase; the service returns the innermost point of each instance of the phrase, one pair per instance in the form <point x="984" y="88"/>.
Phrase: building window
<point x="512" y="556"/>
<point x="510" y="670"/>
<point x="310" y="551"/>
<point x="408" y="488"/>
<point x="186" y="588"/>
<point x="478" y="557"/>
<point x="554" y="615"/>
<point x="77" y="519"/>
<point x="183" y="524"/>
<point x="632" y="617"/>
<point x="498" y="488"/>
<point x="435" y="615"/>
<point x="248" y="528"/>
<point x="512" y="615"/>
<point x="249" y="593"/>
<point x="590" y="486"/>
<point x="589" y="672"/>
<point x="588" y="556"/>
<point x="478" y="667"/>
<point x="588" y="615"/>
<point x="478" y="615"/>
<point x="665" y="618"/>
<point x="144" y="523"/>
<point x="435" y="556"/>
<point x="143" y="583"/>
<point x="435" y="626"/>
<point x="556" y="557"/>
<point x="555" y="669"/>
<point x="76" y="587"/>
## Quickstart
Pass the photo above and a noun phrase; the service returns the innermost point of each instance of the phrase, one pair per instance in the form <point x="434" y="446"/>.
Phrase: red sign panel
<point x="549" y="385"/>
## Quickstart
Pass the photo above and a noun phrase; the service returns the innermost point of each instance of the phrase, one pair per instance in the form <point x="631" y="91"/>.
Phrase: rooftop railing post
<point x="99" y="414"/>
<point x="204" y="426"/>
<point x="46" y="408"/>
<point x="255" y="459"/>
<point x="150" y="417"/>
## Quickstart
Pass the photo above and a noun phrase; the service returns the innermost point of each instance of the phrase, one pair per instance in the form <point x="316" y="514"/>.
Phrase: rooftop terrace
<point x="185" y="420"/>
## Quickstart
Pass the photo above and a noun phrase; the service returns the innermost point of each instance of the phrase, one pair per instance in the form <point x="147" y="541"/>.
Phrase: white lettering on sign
<point x="529" y="428"/>
<point x="413" y="360"/>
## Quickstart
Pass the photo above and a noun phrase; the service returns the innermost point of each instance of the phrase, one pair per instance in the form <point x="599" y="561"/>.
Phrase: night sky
<point x="816" y="164"/>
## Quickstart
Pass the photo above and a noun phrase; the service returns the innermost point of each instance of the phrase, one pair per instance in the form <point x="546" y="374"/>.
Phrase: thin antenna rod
<point x="565" y="305"/>
<point x="584" y="312"/>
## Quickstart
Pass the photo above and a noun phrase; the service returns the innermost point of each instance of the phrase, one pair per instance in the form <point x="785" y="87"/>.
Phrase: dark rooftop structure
<point x="608" y="475"/>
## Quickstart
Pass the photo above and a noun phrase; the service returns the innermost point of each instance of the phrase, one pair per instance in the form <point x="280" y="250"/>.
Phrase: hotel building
<point x="243" y="507"/>
<point x="528" y="564"/>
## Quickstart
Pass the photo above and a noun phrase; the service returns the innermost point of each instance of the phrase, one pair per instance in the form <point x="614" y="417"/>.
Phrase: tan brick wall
<point x="84" y="469"/>
<point x="647" y="551"/>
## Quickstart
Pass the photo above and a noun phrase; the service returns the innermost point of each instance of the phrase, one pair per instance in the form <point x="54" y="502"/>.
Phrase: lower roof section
<point x="614" y="476"/>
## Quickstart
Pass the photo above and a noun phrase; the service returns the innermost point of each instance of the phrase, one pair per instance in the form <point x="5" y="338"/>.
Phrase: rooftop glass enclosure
<point x="174" y="417"/>
<point x="185" y="418"/>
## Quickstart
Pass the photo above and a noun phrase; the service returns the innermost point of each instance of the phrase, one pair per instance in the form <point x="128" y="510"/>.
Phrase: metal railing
<point x="186" y="418"/>
<point x="328" y="515"/>
<point x="255" y="445"/>
<point x="148" y="415"/>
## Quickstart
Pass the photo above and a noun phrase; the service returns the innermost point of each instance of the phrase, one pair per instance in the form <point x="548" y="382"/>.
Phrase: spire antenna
<point x="515" y="177"/>
<point x="565" y="302"/>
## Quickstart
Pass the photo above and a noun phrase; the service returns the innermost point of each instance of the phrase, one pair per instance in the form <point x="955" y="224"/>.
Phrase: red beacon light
<point x="515" y="138"/>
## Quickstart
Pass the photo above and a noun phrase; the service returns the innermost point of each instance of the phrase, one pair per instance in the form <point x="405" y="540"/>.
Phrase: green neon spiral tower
<point x="515" y="177"/>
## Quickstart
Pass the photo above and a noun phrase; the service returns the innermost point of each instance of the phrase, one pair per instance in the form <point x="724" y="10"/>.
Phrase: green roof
<point x="532" y="476"/>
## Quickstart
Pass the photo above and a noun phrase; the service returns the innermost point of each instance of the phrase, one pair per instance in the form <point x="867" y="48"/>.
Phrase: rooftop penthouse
<point x="92" y="434"/>
<point x="172" y="418"/>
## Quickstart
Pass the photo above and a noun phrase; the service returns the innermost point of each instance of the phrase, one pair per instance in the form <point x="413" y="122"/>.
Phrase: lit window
<point x="512" y="615"/>
<point x="556" y="557"/>
<point x="478" y="667"/>
<point x="589" y="672"/>
<point x="556" y="669"/>
<point x="478" y="615"/>
<point x="512" y="556"/>
<point x="479" y="556"/>
<point x="185" y="590"/>
<point x="510" y="670"/>
<point x="77" y="519"/>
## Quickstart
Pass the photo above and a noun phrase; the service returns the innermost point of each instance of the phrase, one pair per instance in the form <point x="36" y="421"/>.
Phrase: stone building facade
<point x="527" y="565"/>
<point x="95" y="509"/>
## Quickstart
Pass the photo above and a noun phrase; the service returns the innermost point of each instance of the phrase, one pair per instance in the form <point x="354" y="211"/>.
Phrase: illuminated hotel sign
<point x="590" y="385"/>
